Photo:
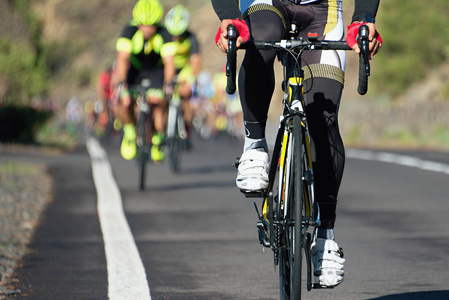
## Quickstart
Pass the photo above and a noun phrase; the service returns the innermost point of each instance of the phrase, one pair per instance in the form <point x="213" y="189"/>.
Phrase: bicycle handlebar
<point x="311" y="44"/>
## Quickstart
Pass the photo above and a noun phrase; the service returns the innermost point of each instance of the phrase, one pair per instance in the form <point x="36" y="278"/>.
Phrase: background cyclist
<point x="187" y="56"/>
<point x="270" y="20"/>
<point x="105" y="95"/>
<point x="141" y="54"/>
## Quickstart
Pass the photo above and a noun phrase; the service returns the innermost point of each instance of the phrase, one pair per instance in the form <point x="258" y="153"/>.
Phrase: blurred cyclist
<point x="141" y="54"/>
<point x="187" y="57"/>
<point x="107" y="99"/>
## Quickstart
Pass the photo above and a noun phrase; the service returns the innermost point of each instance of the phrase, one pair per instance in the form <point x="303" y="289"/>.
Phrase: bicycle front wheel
<point x="291" y="252"/>
<point x="174" y="140"/>
<point x="175" y="149"/>
<point x="142" y="146"/>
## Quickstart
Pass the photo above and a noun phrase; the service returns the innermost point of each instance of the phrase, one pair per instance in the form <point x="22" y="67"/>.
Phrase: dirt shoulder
<point x="25" y="190"/>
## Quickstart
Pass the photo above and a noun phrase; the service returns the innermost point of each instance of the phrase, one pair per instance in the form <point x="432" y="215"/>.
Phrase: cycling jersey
<point x="229" y="9"/>
<point x="183" y="48"/>
<point x="104" y="80"/>
<point x="146" y="55"/>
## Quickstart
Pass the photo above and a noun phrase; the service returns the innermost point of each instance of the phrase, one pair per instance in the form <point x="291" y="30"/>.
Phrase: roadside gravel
<point x="25" y="190"/>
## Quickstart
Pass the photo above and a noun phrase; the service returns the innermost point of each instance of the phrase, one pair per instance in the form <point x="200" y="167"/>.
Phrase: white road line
<point x="403" y="160"/>
<point x="126" y="273"/>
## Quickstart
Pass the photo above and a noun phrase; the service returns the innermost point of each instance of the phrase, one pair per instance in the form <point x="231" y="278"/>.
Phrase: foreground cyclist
<point x="270" y="20"/>
<point x="141" y="54"/>
<point x="187" y="56"/>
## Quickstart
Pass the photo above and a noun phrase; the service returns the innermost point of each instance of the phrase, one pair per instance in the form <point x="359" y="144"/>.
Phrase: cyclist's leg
<point x="256" y="77"/>
<point x="256" y="86"/>
<point x="156" y="99"/>
<point x="323" y="94"/>
<point x="125" y="111"/>
<point x="186" y="80"/>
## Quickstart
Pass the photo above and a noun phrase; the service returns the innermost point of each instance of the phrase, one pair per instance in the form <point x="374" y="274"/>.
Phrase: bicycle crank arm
<point x="263" y="239"/>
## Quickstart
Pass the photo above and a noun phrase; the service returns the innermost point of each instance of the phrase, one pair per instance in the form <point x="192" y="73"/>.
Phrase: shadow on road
<point x="209" y="169"/>
<point x="191" y="185"/>
<point x="434" y="295"/>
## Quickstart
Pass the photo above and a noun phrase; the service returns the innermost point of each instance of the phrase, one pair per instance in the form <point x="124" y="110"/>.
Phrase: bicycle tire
<point x="174" y="154"/>
<point x="298" y="208"/>
<point x="291" y="252"/>
<point x="143" y="156"/>
<point x="174" y="142"/>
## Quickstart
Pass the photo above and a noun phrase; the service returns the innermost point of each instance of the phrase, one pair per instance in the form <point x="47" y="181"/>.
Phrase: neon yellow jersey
<point x="181" y="49"/>
<point x="145" y="54"/>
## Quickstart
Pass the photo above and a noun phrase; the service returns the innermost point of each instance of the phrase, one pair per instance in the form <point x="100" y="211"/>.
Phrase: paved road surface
<point x="196" y="235"/>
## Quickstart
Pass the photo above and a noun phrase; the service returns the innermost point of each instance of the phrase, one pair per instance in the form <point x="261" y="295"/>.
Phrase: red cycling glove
<point x="353" y="32"/>
<point x="242" y="29"/>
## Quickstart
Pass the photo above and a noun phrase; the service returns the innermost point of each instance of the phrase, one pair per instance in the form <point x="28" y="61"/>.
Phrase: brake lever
<point x="364" y="44"/>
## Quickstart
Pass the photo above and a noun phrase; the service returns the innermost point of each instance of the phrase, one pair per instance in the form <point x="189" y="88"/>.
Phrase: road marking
<point x="402" y="160"/>
<point x="126" y="273"/>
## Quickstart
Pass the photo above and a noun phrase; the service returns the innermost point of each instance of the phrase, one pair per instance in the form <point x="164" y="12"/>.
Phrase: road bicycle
<point x="176" y="132"/>
<point x="289" y="211"/>
<point x="144" y="129"/>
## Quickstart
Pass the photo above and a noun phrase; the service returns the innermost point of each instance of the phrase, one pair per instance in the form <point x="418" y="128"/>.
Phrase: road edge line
<point x="126" y="273"/>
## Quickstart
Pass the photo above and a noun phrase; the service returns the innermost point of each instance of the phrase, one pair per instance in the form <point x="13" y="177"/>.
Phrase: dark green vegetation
<point x="416" y="40"/>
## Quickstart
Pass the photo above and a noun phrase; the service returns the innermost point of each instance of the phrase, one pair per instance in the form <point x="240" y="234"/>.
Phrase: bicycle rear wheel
<point x="293" y="240"/>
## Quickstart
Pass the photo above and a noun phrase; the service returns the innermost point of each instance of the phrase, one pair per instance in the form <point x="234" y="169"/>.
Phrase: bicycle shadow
<point x="433" y="295"/>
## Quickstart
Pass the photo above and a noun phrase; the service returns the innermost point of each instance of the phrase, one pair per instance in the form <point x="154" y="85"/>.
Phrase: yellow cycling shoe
<point x="156" y="154"/>
<point x="128" y="147"/>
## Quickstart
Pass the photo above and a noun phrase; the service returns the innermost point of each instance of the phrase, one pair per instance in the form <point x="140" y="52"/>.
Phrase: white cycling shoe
<point x="328" y="261"/>
<point x="252" y="173"/>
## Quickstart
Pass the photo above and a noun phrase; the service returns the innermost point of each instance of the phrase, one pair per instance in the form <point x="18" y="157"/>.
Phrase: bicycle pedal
<point x="249" y="194"/>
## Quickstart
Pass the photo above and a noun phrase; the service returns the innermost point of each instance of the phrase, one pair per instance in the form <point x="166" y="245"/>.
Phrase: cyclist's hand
<point x="118" y="90"/>
<point x="375" y="40"/>
<point x="221" y="39"/>
<point x="168" y="88"/>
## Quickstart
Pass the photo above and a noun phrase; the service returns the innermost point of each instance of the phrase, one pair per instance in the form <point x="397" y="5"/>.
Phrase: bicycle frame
<point x="282" y="168"/>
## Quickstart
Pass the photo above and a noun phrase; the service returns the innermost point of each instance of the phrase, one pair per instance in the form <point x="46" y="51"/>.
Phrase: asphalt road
<point x="196" y="235"/>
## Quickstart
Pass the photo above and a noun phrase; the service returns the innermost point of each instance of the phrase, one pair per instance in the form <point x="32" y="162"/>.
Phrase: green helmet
<point x="148" y="12"/>
<point x="177" y="20"/>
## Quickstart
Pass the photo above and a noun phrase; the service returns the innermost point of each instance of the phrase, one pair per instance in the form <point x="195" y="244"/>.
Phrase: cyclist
<point x="105" y="96"/>
<point x="141" y="53"/>
<point x="270" y="20"/>
<point x="187" y="56"/>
